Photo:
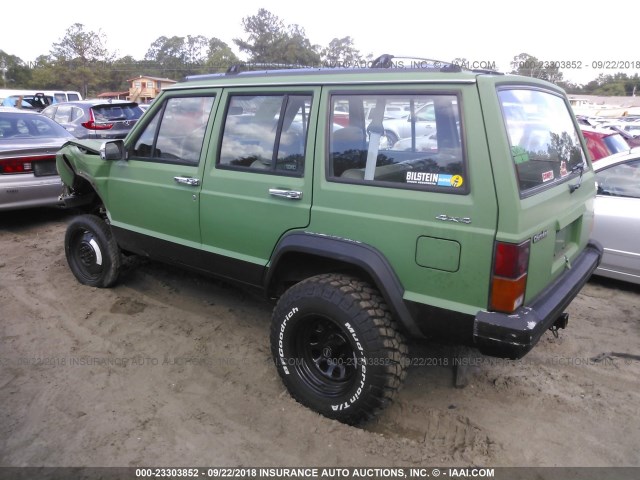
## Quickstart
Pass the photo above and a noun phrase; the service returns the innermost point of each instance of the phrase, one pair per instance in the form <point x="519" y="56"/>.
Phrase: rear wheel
<point x="92" y="253"/>
<point x="337" y="348"/>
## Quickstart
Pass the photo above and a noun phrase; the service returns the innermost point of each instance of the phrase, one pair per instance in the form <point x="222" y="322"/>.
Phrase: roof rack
<point x="385" y="61"/>
<point x="237" y="67"/>
<point x="246" y="67"/>
<point x="418" y="63"/>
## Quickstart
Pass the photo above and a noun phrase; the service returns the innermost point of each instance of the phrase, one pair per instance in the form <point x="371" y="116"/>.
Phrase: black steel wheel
<point x="337" y="348"/>
<point x="92" y="253"/>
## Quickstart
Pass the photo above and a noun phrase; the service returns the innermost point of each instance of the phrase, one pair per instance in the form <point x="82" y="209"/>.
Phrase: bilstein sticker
<point x="439" y="179"/>
<point x="423" y="178"/>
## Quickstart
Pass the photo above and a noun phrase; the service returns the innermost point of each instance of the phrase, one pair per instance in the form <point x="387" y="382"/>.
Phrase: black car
<point x="32" y="103"/>
<point x="95" y="119"/>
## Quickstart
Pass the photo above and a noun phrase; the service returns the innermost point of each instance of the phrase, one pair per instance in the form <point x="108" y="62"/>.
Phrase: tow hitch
<point x="561" y="322"/>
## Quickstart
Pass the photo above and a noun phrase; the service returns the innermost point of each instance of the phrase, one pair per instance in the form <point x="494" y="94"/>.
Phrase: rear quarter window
<point x="421" y="149"/>
<point x="545" y="145"/>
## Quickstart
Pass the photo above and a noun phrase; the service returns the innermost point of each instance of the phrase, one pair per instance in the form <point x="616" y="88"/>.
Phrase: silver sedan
<point x="617" y="211"/>
<point x="28" y="146"/>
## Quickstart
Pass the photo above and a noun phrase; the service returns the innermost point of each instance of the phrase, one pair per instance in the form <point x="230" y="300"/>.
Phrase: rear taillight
<point x="92" y="125"/>
<point x="11" y="166"/>
<point x="509" y="278"/>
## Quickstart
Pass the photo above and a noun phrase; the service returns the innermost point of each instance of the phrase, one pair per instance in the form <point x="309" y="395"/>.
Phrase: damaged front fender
<point x="82" y="171"/>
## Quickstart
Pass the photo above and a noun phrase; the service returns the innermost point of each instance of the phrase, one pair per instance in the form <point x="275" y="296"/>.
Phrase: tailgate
<point x="544" y="181"/>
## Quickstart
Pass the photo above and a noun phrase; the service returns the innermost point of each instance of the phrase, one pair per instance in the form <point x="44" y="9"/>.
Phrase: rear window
<point x="14" y="128"/>
<point x="112" y="113"/>
<point x="545" y="144"/>
<point x="616" y="144"/>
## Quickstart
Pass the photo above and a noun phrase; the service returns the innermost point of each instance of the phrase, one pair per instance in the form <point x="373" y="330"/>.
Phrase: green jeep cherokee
<point x="474" y="227"/>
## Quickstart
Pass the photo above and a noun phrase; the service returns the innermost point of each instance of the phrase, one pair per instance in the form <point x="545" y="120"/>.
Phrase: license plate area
<point x="44" y="168"/>
<point x="566" y="239"/>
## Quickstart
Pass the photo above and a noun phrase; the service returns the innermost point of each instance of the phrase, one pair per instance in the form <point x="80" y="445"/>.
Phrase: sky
<point x="486" y="32"/>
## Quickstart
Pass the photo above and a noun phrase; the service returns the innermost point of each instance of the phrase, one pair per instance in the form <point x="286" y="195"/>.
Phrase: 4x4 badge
<point x="447" y="218"/>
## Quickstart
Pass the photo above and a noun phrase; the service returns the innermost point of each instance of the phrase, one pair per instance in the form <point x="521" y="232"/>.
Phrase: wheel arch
<point x="300" y="255"/>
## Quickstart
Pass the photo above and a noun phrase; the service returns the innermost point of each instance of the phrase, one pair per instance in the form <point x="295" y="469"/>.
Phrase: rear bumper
<point x="513" y="335"/>
<point x="25" y="191"/>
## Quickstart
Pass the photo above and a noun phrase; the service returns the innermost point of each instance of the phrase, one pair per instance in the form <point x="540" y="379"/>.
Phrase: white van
<point x="54" y="96"/>
<point x="60" y="96"/>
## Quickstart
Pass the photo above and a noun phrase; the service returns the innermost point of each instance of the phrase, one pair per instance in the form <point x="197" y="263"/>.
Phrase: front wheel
<point x="92" y="253"/>
<point x="337" y="348"/>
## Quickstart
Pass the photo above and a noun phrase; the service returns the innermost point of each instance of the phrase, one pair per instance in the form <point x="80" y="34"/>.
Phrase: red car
<point x="602" y="143"/>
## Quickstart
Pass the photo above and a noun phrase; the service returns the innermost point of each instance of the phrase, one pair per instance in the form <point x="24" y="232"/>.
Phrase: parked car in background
<point x="28" y="146"/>
<point x="617" y="216"/>
<point x="424" y="122"/>
<point x="602" y="142"/>
<point x="53" y="96"/>
<point x="95" y="119"/>
<point x="36" y="102"/>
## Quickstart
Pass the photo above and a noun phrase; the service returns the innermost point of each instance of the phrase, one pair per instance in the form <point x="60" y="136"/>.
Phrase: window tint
<point x="544" y="142"/>
<point x="176" y="133"/>
<point x="266" y="133"/>
<point x="420" y="149"/>
<point x="621" y="180"/>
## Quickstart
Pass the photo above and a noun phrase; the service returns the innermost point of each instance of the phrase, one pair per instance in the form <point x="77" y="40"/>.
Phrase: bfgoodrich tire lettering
<point x="337" y="348"/>
<point x="92" y="253"/>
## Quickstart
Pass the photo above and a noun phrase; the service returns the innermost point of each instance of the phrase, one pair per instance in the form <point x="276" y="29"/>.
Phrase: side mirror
<point x="113" y="150"/>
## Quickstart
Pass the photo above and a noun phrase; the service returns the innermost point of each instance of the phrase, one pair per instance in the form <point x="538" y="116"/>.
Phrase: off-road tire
<point x="92" y="252"/>
<point x="337" y="348"/>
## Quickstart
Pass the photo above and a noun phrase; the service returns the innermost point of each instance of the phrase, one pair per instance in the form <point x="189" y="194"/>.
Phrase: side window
<point x="266" y="133"/>
<point x="621" y="180"/>
<point x="76" y="113"/>
<point x="63" y="114"/>
<point x="176" y="133"/>
<point x="421" y="147"/>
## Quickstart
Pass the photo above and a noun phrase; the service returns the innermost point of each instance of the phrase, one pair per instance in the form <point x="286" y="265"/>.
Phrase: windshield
<point x="545" y="144"/>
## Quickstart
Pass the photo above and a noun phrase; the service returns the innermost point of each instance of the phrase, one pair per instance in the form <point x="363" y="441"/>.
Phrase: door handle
<point x="290" y="194"/>
<point x="192" y="182"/>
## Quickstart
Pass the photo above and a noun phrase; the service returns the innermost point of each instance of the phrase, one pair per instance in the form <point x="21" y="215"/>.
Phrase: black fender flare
<point x="358" y="254"/>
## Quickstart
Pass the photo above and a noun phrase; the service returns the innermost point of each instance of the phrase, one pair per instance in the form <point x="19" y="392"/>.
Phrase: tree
<point x="220" y="56"/>
<point x="341" y="52"/>
<point x="14" y="71"/>
<point x="84" y="53"/>
<point x="195" y="50"/>
<point x="530" y="66"/>
<point x="270" y="41"/>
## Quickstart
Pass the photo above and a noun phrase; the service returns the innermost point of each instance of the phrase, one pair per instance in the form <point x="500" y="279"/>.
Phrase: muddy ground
<point x="172" y="368"/>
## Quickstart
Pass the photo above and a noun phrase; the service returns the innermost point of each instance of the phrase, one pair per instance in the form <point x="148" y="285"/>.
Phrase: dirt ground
<point x="173" y="369"/>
